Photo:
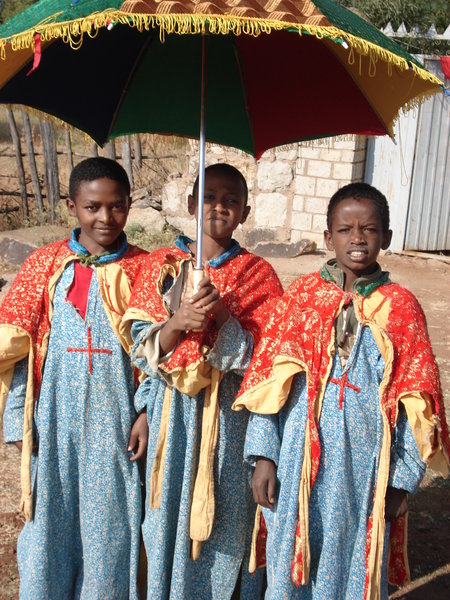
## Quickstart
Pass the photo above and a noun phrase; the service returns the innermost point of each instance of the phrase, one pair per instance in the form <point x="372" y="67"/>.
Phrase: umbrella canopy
<point x="322" y="71"/>
<point x="53" y="11"/>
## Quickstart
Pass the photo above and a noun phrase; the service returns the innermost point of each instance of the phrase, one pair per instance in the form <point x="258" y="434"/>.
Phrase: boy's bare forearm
<point x="138" y="437"/>
<point x="168" y="337"/>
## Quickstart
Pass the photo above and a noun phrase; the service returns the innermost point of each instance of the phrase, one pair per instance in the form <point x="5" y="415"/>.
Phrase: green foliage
<point x="424" y="46"/>
<point x="9" y="8"/>
<point x="151" y="240"/>
<point x="420" y="13"/>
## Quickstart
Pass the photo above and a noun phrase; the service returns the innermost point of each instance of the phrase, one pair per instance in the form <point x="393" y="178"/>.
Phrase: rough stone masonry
<point x="289" y="188"/>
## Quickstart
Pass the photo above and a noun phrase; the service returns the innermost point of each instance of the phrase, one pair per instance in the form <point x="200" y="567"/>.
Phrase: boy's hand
<point x="396" y="503"/>
<point x="263" y="482"/>
<point x="138" y="437"/>
<point x="188" y="317"/>
<point x="193" y="315"/>
<point x="208" y="299"/>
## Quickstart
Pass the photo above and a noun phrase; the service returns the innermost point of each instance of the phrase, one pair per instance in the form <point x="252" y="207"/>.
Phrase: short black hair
<point x="97" y="167"/>
<point x="360" y="191"/>
<point x="226" y="169"/>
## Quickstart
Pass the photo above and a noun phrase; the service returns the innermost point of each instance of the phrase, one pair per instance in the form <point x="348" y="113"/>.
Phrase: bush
<point x="151" y="240"/>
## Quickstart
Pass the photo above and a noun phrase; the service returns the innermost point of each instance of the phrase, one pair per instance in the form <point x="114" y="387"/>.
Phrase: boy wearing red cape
<point x="194" y="346"/>
<point x="347" y="409"/>
<point x="68" y="385"/>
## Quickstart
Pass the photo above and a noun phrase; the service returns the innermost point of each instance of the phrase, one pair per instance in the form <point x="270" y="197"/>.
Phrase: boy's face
<point x="356" y="237"/>
<point x="225" y="205"/>
<point x="101" y="207"/>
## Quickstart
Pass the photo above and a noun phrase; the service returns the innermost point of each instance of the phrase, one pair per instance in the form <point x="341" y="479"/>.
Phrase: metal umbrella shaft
<point x="198" y="273"/>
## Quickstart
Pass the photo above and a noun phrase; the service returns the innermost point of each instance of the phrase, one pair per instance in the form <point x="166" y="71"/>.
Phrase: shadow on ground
<point x="428" y="545"/>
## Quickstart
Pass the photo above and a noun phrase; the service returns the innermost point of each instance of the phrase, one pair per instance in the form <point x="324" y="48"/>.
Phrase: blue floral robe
<point x="342" y="495"/>
<point x="84" y="539"/>
<point x="222" y="567"/>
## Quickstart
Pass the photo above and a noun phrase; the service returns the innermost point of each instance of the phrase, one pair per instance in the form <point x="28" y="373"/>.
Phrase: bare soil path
<point x="429" y="548"/>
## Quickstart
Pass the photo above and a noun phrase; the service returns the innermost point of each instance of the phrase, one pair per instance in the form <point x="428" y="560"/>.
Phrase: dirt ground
<point x="429" y="548"/>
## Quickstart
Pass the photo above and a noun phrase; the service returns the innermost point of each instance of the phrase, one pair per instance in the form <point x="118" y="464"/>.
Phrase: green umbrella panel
<point x="47" y="12"/>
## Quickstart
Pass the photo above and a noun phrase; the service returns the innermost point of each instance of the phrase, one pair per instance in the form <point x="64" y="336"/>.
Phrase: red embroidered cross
<point x="90" y="350"/>
<point x="343" y="383"/>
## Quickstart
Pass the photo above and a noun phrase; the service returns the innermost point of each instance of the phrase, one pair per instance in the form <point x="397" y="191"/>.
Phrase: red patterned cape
<point x="301" y="331"/>
<point x="246" y="283"/>
<point x="25" y="322"/>
<point x="27" y="304"/>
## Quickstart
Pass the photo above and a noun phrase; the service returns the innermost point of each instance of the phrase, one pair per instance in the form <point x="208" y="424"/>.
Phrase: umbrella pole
<point x="198" y="272"/>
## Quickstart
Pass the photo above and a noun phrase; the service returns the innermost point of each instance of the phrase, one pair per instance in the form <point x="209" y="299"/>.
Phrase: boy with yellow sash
<point x="348" y="409"/>
<point x="195" y="346"/>
<point x="68" y="385"/>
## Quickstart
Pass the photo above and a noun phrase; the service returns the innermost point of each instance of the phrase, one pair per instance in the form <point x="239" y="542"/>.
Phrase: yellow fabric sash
<point x="157" y="474"/>
<point x="15" y="345"/>
<point x="203" y="502"/>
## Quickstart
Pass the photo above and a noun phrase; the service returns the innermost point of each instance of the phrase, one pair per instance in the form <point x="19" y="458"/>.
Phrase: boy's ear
<point x="71" y="207"/>
<point x="328" y="240"/>
<point x="191" y="205"/>
<point x="387" y="237"/>
<point x="245" y="215"/>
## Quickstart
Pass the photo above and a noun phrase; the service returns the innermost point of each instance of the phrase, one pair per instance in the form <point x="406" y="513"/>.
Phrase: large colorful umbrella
<point x="322" y="70"/>
<point x="274" y="71"/>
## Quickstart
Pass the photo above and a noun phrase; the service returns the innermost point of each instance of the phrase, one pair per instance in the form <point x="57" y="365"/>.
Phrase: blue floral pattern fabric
<point x="342" y="495"/>
<point x="84" y="540"/>
<point x="14" y="410"/>
<point x="224" y="556"/>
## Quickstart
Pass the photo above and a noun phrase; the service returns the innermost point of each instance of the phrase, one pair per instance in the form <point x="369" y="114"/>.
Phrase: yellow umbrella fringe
<point x="412" y="104"/>
<point x="415" y="103"/>
<point x="72" y="33"/>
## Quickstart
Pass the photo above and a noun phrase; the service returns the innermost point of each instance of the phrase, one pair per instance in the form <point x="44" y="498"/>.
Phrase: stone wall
<point x="289" y="188"/>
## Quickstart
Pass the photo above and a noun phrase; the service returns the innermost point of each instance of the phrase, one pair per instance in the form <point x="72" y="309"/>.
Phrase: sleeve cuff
<point x="146" y="351"/>
<point x="262" y="440"/>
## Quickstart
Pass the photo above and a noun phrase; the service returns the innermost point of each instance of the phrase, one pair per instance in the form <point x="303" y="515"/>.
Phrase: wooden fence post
<point x="69" y="149"/>
<point x="110" y="149"/>
<point x="126" y="158"/>
<point x="19" y="162"/>
<point x="137" y="151"/>
<point x="32" y="164"/>
<point x="42" y="127"/>
<point x="51" y="168"/>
